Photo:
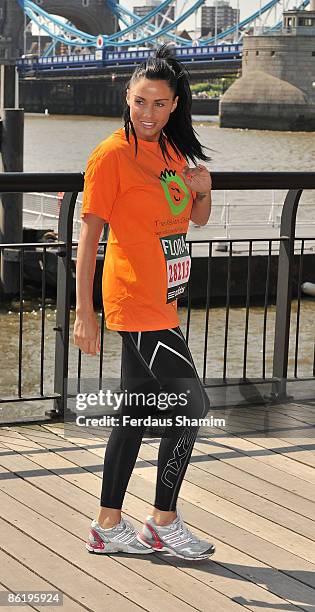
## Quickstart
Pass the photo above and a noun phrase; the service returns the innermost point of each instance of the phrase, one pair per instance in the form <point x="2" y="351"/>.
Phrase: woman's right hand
<point x="86" y="333"/>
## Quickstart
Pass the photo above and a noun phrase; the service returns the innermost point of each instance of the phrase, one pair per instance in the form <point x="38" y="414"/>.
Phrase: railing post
<point x="11" y="204"/>
<point x="65" y="230"/>
<point x="284" y="294"/>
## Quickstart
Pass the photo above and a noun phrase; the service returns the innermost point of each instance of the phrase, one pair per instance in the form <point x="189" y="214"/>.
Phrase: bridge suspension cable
<point x="69" y="35"/>
<point x="121" y="12"/>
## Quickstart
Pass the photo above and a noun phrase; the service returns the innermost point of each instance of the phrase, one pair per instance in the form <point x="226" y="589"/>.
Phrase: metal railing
<point x="228" y="217"/>
<point x="287" y="258"/>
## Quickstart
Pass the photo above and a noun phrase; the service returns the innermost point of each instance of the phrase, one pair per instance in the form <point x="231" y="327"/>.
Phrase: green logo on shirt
<point x="175" y="190"/>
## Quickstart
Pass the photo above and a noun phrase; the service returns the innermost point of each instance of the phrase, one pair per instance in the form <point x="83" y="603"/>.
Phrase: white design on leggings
<point x="139" y="340"/>
<point x="169" y="348"/>
<point x="178" y="483"/>
<point x="175" y="332"/>
<point x="175" y="463"/>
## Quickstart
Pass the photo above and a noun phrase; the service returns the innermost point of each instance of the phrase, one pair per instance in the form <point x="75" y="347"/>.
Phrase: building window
<point x="257" y="52"/>
<point x="85" y="2"/>
<point x="272" y="52"/>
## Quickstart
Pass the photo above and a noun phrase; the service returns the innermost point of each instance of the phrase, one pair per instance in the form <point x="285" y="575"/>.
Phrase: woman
<point x="139" y="182"/>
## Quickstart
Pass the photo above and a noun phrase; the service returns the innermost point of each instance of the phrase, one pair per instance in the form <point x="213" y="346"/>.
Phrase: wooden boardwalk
<point x="250" y="493"/>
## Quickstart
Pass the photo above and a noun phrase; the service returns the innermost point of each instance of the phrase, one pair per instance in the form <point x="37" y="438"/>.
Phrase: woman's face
<point x="151" y="103"/>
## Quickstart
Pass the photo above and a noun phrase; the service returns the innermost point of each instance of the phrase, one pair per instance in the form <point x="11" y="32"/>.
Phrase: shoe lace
<point x="184" y="532"/>
<point x="129" y="531"/>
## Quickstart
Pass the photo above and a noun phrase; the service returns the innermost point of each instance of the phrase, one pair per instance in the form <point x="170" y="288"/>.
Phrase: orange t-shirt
<point x="148" y="205"/>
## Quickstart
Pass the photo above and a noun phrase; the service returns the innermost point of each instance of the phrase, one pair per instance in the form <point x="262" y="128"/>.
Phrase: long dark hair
<point x="178" y="130"/>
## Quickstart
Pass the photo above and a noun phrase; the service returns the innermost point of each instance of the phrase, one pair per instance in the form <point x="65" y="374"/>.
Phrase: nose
<point x="148" y="114"/>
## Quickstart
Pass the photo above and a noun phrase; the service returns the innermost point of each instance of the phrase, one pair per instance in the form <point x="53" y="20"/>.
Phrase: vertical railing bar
<point x="21" y="322"/>
<point x="207" y="311"/>
<point x="42" y="339"/>
<point x="79" y="369"/>
<point x="188" y="298"/>
<point x="65" y="229"/>
<point x="266" y="308"/>
<point x="284" y="294"/>
<point x="247" y="307"/>
<point x="227" y="311"/>
<point x="298" y="312"/>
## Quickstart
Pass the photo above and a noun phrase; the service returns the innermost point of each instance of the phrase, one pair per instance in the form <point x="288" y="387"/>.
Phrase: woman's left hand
<point x="197" y="179"/>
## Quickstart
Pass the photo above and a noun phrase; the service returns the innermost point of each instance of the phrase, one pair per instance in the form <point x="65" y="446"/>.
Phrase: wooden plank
<point x="232" y="475"/>
<point x="300" y="411"/>
<point x="62" y="574"/>
<point x="243" y="540"/>
<point x="162" y="577"/>
<point x="241" y="497"/>
<point x="281" y="461"/>
<point x="250" y="461"/>
<point x="228" y="451"/>
<point x="259" y="546"/>
<point x="294" y="523"/>
<point x="295" y="453"/>
<point x="288" y="445"/>
<point x="242" y="517"/>
<point x="181" y="583"/>
<point x="271" y="423"/>
<point x="202" y="465"/>
<point x="222" y="474"/>
<point x="273" y="458"/>
<point x="294" y="447"/>
<point x="162" y="574"/>
<point x="17" y="577"/>
<point x="228" y="585"/>
<point x="127" y="587"/>
<point x="286" y="411"/>
<point x="294" y="434"/>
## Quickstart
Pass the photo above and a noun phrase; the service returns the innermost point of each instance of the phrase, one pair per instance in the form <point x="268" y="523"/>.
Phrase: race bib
<point x="178" y="264"/>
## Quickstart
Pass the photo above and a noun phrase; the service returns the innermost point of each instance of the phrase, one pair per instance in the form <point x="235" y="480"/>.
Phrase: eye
<point x="139" y="101"/>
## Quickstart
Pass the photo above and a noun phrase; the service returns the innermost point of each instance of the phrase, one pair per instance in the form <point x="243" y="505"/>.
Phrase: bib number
<point x="178" y="264"/>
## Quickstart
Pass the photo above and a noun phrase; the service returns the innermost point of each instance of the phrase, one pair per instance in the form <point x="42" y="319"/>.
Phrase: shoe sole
<point x="173" y="552"/>
<point x="108" y="550"/>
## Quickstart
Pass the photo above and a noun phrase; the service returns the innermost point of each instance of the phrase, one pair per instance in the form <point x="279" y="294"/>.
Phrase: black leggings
<point x="155" y="361"/>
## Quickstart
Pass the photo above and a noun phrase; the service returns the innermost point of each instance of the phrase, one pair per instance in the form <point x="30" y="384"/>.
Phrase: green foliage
<point x="213" y="88"/>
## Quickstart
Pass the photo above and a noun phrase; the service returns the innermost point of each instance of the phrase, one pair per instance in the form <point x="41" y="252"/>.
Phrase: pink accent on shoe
<point x="157" y="544"/>
<point x="99" y="544"/>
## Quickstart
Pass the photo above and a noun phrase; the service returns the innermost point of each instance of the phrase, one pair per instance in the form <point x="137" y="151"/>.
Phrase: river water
<point x="62" y="144"/>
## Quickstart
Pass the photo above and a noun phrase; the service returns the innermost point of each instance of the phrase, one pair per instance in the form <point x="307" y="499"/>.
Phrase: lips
<point x="147" y="124"/>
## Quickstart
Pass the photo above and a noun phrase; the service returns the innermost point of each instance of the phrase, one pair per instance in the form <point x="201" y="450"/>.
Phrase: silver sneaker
<point x="175" y="538"/>
<point x="120" y="538"/>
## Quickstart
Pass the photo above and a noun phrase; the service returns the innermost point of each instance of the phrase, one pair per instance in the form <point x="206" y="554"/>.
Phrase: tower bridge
<point x="91" y="16"/>
<point x="277" y="64"/>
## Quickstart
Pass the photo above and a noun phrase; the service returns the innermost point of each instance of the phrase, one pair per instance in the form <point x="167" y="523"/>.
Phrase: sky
<point x="247" y="7"/>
